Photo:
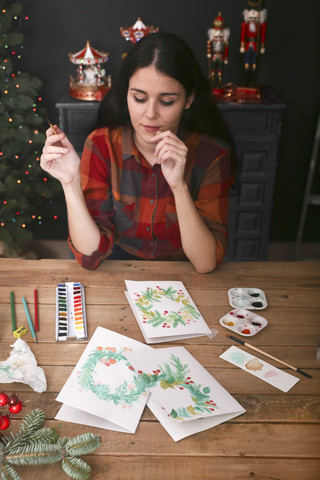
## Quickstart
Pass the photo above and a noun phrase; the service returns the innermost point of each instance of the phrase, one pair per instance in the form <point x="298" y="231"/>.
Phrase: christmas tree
<point x="26" y="193"/>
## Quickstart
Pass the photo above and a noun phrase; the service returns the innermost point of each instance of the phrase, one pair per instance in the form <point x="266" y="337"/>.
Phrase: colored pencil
<point x="36" y="314"/>
<point x="13" y="312"/>
<point x="268" y="355"/>
<point x="25" y="306"/>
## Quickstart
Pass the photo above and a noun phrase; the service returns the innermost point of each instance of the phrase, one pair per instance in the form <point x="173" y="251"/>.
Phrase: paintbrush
<point x="268" y="355"/>
<point x="50" y="124"/>
<point x="54" y="129"/>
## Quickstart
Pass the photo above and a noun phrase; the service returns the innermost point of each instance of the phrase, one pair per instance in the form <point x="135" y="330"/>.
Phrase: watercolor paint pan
<point x="243" y="322"/>
<point x="71" y="321"/>
<point x="248" y="298"/>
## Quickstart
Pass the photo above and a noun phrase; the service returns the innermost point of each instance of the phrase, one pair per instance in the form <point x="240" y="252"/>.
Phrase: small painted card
<point x="185" y="398"/>
<point x="103" y="390"/>
<point x="165" y="311"/>
<point x="263" y="370"/>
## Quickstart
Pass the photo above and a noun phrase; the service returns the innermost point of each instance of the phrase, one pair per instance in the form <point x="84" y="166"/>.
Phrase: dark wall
<point x="291" y="66"/>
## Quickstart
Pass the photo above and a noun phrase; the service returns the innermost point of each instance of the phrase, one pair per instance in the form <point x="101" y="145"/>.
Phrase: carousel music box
<point x="91" y="82"/>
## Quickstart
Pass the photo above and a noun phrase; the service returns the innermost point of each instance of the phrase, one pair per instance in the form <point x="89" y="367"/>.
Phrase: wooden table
<point x="279" y="435"/>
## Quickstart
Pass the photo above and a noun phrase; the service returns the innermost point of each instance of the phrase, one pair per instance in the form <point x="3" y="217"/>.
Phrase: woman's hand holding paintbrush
<point x="59" y="158"/>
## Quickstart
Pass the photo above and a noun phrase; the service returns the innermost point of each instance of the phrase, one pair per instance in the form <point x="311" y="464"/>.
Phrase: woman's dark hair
<point x="172" y="56"/>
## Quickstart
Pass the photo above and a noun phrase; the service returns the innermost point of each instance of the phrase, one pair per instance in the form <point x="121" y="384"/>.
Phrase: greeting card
<point x="103" y="390"/>
<point x="259" y="368"/>
<point x="185" y="398"/>
<point x="165" y="311"/>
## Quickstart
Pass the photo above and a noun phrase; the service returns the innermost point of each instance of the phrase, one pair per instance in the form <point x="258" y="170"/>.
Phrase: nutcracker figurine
<point x="253" y="33"/>
<point x="217" y="51"/>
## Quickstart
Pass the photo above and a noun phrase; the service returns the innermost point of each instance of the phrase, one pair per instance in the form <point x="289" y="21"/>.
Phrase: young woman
<point x="154" y="178"/>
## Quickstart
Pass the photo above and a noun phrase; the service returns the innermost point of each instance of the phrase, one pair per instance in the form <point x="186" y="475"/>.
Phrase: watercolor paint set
<point x="248" y="298"/>
<point x="71" y="319"/>
<point x="243" y="322"/>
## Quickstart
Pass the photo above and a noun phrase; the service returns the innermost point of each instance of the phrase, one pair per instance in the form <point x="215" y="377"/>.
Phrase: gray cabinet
<point x="77" y="119"/>
<point x="255" y="130"/>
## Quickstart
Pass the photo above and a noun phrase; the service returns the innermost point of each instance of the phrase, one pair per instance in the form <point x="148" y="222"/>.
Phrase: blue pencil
<point x="29" y="319"/>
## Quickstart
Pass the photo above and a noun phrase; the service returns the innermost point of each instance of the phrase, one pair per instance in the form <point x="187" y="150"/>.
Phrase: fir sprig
<point x="33" y="445"/>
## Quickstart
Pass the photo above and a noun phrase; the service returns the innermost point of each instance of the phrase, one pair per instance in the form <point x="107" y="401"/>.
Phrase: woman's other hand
<point x="171" y="154"/>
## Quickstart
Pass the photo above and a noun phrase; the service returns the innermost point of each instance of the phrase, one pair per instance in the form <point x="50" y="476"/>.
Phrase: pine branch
<point x="191" y="310"/>
<point x="36" y="455"/>
<point x="76" y="468"/>
<point x="169" y="293"/>
<point x="181" y="370"/>
<point x="30" y="424"/>
<point x="82" y="444"/>
<point x="8" y="473"/>
<point x="33" y="445"/>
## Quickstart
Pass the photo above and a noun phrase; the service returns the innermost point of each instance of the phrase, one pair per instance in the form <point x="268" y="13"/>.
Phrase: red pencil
<point x="36" y="317"/>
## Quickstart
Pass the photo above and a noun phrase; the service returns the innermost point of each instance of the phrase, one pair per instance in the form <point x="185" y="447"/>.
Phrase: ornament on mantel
<point x="91" y="82"/>
<point x="253" y="35"/>
<point x="137" y="31"/>
<point x="217" y="52"/>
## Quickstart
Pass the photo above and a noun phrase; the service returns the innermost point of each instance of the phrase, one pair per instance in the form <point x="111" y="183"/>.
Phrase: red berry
<point x="4" y="422"/>
<point x="16" y="408"/>
<point x="3" y="399"/>
<point x="13" y="400"/>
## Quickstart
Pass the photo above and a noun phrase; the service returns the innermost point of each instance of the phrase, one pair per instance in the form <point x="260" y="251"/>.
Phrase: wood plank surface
<point x="176" y="468"/>
<point x="279" y="435"/>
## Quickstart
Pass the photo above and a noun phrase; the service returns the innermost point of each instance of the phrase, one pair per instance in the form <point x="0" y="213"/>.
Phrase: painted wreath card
<point x="185" y="398"/>
<point x="103" y="390"/>
<point x="165" y="311"/>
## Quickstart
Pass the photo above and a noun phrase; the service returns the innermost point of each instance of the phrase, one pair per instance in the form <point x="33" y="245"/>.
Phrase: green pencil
<point x="13" y="312"/>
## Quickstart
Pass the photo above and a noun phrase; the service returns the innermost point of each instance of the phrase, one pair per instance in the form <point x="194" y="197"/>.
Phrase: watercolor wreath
<point x="145" y="302"/>
<point x="126" y="393"/>
<point x="171" y="375"/>
<point x="176" y="375"/>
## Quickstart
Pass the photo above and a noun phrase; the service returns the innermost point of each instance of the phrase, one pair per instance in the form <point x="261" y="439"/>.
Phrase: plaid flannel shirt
<point x="132" y="203"/>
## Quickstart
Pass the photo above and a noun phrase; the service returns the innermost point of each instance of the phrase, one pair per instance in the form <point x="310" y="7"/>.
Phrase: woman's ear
<point x="189" y="101"/>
